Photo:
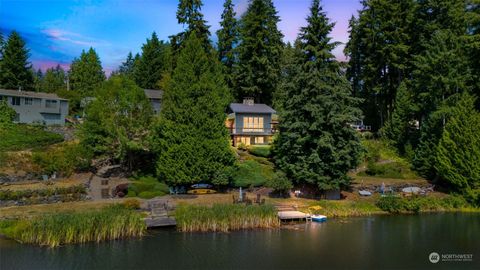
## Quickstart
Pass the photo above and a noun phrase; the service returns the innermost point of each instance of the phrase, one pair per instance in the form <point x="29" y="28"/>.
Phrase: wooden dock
<point x="293" y="215"/>
<point x="158" y="216"/>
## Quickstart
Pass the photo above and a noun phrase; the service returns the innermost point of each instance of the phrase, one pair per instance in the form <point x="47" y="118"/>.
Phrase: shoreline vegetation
<point x="225" y="217"/>
<point x="120" y="221"/>
<point x="112" y="222"/>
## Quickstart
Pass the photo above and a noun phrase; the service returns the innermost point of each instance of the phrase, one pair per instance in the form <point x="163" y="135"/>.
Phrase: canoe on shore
<point x="319" y="218"/>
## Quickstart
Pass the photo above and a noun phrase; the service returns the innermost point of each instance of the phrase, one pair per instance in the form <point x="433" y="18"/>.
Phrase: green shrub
<point x="63" y="159"/>
<point x="20" y="137"/>
<point x="147" y="187"/>
<point x="280" y="183"/>
<point x="150" y="194"/>
<point x="388" y="170"/>
<point x="252" y="173"/>
<point x="260" y="151"/>
<point x="7" y="114"/>
<point x="415" y="204"/>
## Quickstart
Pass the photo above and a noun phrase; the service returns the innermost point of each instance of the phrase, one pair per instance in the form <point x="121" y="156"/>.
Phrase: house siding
<point x="37" y="112"/>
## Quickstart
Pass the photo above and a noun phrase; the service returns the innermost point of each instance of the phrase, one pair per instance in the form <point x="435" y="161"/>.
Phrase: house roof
<point x="28" y="94"/>
<point x="153" y="94"/>
<point x="256" y="108"/>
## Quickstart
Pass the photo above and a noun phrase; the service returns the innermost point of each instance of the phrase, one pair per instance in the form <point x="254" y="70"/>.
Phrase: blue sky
<point x="56" y="31"/>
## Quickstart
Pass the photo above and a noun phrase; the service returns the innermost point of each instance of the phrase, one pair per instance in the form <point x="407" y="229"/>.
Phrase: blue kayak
<point x="319" y="218"/>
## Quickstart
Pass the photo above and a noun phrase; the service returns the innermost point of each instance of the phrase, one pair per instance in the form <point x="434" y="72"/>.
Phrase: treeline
<point x="416" y="66"/>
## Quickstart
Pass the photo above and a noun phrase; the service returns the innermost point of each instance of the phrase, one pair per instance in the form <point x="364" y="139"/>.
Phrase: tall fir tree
<point x="16" y="69"/>
<point x="379" y="53"/>
<point x="189" y="14"/>
<point x="458" y="154"/>
<point x="86" y="73"/>
<point x="2" y="46"/>
<point x="316" y="146"/>
<point x="127" y="68"/>
<point x="259" y="53"/>
<point x="191" y="137"/>
<point x="227" y="41"/>
<point x="152" y="64"/>
<point x="54" y="80"/>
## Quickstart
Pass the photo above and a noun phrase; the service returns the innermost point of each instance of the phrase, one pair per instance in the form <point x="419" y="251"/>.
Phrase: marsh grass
<point x="112" y="222"/>
<point x="225" y="217"/>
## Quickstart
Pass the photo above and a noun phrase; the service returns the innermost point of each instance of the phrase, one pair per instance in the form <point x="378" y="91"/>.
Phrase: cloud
<point x="74" y="38"/>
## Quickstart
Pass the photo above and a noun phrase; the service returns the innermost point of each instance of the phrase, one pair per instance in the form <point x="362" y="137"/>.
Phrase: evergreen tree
<point x="37" y="79"/>
<point x="259" y="52"/>
<point x="86" y="73"/>
<point x="458" y="153"/>
<point x="227" y="41"/>
<point x="16" y="69"/>
<point x="153" y="63"/>
<point x="190" y="16"/>
<point x="54" y="80"/>
<point x="440" y="73"/>
<point x="401" y="129"/>
<point x="316" y="145"/>
<point x="191" y="137"/>
<point x="127" y="67"/>
<point x="380" y="55"/>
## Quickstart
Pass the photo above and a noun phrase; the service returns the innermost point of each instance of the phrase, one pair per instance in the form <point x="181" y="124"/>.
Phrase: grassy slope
<point x="21" y="137"/>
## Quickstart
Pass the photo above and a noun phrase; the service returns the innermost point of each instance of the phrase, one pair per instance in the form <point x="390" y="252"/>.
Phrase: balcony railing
<point x="252" y="130"/>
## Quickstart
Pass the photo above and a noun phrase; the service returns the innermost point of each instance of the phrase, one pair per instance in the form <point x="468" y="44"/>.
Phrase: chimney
<point x="19" y="89"/>
<point x="249" y="101"/>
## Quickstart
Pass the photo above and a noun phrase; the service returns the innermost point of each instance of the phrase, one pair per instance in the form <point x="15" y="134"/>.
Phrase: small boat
<point x="364" y="193"/>
<point x="319" y="218"/>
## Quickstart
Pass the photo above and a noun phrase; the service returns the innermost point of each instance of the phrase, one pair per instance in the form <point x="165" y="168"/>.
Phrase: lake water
<point x="380" y="242"/>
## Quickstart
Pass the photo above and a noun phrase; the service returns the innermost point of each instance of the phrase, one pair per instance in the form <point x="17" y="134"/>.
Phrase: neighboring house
<point x="250" y="123"/>
<point x="36" y="107"/>
<point x="155" y="97"/>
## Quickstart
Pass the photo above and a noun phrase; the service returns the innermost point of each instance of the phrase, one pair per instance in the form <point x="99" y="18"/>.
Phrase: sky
<point x="56" y="31"/>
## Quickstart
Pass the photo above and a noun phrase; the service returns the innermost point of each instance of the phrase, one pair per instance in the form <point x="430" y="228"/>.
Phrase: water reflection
<point x="368" y="243"/>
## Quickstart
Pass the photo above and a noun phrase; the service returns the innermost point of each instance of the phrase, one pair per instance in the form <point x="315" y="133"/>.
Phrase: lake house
<point x="36" y="107"/>
<point x="250" y="123"/>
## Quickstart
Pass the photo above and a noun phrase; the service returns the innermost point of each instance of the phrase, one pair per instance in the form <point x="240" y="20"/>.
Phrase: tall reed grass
<point x="112" y="222"/>
<point x="225" y="217"/>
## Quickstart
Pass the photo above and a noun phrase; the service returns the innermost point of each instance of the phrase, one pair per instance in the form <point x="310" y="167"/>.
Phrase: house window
<point x="259" y="140"/>
<point x="253" y="124"/>
<point x="28" y="101"/>
<point x="50" y="103"/>
<point x="15" y="101"/>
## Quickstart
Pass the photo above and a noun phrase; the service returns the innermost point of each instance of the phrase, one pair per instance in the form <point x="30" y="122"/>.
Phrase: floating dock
<point x="293" y="215"/>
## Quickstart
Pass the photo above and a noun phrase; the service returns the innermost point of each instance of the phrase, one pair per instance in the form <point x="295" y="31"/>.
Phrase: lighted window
<point x="259" y="140"/>
<point x="252" y="124"/>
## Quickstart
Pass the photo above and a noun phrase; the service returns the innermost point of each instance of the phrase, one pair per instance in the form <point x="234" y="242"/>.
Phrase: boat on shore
<point x="319" y="218"/>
